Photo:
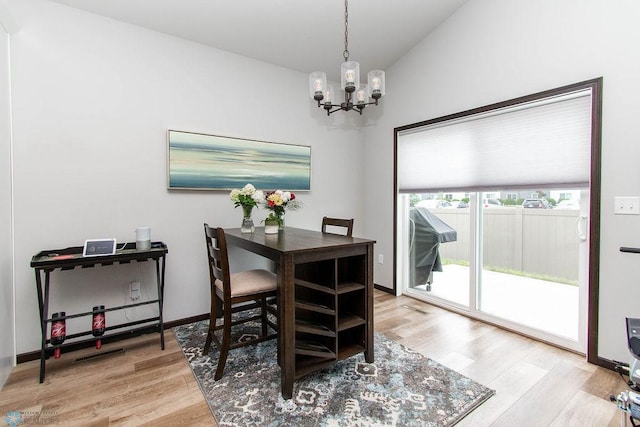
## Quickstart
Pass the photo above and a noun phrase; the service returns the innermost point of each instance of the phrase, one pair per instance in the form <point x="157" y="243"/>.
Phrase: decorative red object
<point x="58" y="331"/>
<point x="98" y="324"/>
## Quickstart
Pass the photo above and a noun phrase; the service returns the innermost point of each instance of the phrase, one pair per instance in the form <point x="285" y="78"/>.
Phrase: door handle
<point x="581" y="235"/>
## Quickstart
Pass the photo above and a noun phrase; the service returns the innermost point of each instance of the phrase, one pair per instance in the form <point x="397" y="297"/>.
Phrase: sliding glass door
<point x="493" y="212"/>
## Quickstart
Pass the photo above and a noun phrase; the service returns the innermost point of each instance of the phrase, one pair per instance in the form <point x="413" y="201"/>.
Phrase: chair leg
<point x="226" y="342"/>
<point x="207" y="343"/>
<point x="263" y="309"/>
<point x="212" y="322"/>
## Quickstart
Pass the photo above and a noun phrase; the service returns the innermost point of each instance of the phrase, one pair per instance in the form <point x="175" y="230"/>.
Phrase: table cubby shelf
<point x="331" y="298"/>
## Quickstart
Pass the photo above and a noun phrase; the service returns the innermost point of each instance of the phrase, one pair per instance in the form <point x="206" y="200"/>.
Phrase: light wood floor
<point x="536" y="384"/>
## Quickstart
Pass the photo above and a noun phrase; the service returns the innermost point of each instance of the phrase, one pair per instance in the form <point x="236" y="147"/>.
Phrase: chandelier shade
<point x="317" y="84"/>
<point x="329" y="95"/>
<point x="356" y="95"/>
<point x="375" y="79"/>
<point x="350" y="75"/>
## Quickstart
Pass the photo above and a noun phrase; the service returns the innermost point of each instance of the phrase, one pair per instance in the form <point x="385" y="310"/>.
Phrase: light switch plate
<point x="627" y="206"/>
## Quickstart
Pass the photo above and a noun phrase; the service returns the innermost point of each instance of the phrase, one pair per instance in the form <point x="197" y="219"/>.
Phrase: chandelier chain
<point x="345" y="54"/>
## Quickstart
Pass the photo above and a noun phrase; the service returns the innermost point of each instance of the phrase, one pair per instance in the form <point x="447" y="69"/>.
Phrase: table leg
<point x="43" y="305"/>
<point x="160" y="283"/>
<point x="368" y="352"/>
<point x="286" y="273"/>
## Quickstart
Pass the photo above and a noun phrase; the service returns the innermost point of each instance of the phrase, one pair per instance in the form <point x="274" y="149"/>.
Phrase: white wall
<point x="7" y="324"/>
<point x="494" y="50"/>
<point x="93" y="99"/>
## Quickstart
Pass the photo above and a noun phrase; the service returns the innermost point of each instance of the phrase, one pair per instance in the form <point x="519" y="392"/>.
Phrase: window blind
<point x="545" y="143"/>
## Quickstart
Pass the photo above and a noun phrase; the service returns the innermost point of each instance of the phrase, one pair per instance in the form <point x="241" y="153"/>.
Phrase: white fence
<point x="537" y="241"/>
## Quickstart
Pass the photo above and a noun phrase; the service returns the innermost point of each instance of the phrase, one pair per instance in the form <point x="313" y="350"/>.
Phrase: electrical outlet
<point x="627" y="206"/>
<point x="380" y="259"/>
<point x="134" y="288"/>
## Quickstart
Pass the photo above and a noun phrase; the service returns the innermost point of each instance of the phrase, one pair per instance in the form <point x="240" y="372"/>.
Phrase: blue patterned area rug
<point x="401" y="388"/>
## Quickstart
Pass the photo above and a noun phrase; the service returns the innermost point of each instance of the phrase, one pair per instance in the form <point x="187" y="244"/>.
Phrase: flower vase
<point x="247" y="223"/>
<point x="281" y="222"/>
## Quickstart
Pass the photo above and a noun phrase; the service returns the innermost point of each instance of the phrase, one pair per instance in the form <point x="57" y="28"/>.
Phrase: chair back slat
<point x="338" y="222"/>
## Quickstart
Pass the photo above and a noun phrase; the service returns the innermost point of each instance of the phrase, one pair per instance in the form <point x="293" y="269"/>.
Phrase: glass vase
<point x="247" y="223"/>
<point x="281" y="222"/>
<point x="270" y="227"/>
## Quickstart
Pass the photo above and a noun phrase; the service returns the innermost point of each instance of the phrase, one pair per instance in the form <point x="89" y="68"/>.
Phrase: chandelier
<point x="356" y="95"/>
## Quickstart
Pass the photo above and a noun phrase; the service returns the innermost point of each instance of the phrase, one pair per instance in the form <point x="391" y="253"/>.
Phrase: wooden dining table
<point x="333" y="266"/>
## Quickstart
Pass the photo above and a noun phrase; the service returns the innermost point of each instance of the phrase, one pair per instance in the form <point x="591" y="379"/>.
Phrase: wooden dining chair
<point x="338" y="222"/>
<point x="235" y="293"/>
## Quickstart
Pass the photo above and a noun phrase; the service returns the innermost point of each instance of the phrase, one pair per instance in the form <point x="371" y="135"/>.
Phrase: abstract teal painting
<point x="209" y="162"/>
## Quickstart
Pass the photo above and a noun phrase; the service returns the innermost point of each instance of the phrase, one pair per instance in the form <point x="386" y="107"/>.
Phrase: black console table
<point x="68" y="259"/>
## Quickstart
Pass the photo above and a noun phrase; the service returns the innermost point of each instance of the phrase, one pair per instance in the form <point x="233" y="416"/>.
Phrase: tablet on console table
<point x="98" y="247"/>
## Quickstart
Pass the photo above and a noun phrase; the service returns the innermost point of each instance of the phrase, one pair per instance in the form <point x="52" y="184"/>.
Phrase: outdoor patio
<point x="540" y="304"/>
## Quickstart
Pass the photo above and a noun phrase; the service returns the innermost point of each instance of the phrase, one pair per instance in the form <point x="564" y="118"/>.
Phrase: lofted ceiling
<point x="303" y="35"/>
